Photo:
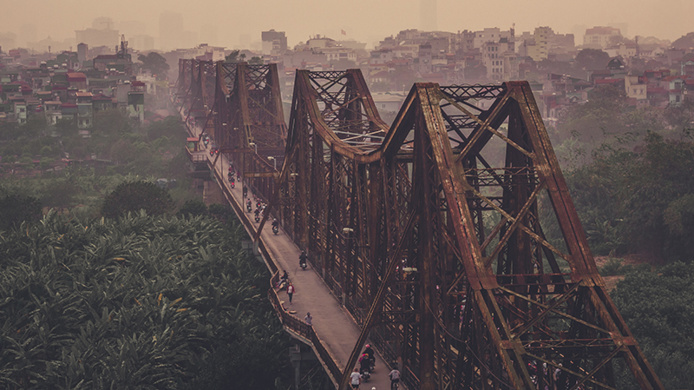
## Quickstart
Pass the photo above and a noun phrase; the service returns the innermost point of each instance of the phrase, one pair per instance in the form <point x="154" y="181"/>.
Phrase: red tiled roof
<point x="76" y="76"/>
<point x="652" y="90"/>
<point x="608" y="81"/>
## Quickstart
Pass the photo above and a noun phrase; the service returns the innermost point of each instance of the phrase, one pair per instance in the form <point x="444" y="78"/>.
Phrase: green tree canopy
<point x="232" y="57"/>
<point x="155" y="63"/>
<point x="16" y="208"/>
<point x="134" y="196"/>
<point x="136" y="303"/>
<point x="639" y="200"/>
<point x="193" y="208"/>
<point x="255" y="61"/>
<point x="659" y="309"/>
<point x="592" y="59"/>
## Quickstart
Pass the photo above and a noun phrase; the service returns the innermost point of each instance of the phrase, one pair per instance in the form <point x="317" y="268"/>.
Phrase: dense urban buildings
<point x="104" y="72"/>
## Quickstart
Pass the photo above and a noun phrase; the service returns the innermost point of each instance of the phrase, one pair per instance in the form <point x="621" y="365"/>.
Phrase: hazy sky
<point x="364" y="20"/>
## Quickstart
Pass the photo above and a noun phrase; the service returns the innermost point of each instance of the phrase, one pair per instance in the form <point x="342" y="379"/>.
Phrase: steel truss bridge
<point x="429" y="232"/>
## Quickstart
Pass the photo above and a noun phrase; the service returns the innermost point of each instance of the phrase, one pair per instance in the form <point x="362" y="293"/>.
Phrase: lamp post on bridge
<point x="274" y="161"/>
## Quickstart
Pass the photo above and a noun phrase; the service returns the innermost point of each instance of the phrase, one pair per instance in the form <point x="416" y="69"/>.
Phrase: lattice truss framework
<point x="240" y="109"/>
<point x="431" y="232"/>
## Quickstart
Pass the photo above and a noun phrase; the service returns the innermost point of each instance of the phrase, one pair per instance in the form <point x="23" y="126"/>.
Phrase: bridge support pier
<point x="298" y="353"/>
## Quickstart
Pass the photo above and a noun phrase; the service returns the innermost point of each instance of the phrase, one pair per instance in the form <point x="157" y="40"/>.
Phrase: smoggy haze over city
<point x="234" y="23"/>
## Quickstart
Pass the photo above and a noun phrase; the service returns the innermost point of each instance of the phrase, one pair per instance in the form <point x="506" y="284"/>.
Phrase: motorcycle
<point x="232" y="184"/>
<point x="275" y="229"/>
<point x="365" y="376"/>
<point x="248" y="206"/>
<point x="372" y="364"/>
<point x="302" y="260"/>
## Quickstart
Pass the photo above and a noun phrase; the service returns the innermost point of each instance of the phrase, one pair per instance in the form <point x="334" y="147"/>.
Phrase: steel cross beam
<point x="184" y="84"/>
<point x="241" y="110"/>
<point x="476" y="297"/>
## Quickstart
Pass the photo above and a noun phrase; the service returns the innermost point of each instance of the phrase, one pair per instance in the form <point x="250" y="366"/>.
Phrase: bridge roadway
<point x="334" y="327"/>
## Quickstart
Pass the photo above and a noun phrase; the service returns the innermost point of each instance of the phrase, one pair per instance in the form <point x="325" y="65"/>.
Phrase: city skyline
<point x="232" y="25"/>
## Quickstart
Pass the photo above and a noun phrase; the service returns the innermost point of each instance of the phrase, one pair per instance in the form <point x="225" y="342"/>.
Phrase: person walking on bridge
<point x="290" y="292"/>
<point x="355" y="378"/>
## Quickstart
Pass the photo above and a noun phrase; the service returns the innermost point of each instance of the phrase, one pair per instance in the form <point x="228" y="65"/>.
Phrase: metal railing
<point x="290" y="322"/>
<point x="296" y="325"/>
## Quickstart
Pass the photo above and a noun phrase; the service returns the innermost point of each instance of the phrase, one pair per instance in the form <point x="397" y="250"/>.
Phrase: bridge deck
<point x="335" y="329"/>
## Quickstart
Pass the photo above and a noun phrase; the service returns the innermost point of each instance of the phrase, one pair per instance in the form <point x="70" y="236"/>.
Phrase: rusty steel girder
<point x="431" y="234"/>
<point x="182" y="97"/>
<point x="202" y="88"/>
<point x="185" y="71"/>
<point x="239" y="106"/>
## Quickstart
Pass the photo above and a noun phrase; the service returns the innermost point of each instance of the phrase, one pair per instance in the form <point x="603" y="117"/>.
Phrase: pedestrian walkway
<point x="331" y="322"/>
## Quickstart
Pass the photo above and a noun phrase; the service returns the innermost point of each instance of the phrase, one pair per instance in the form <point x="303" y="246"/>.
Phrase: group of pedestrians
<point x="355" y="378"/>
<point x="286" y="283"/>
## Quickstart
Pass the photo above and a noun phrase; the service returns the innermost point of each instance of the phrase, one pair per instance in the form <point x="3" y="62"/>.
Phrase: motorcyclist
<point x="364" y="363"/>
<point x="369" y="352"/>
<point x="275" y="224"/>
<point x="248" y="205"/>
<point x="394" y="376"/>
<point x="302" y="259"/>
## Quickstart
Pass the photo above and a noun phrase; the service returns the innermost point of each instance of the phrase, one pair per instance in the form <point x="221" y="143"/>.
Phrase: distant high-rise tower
<point x="82" y="49"/>
<point x="171" y="33"/>
<point x="274" y="42"/>
<point x="428" y="15"/>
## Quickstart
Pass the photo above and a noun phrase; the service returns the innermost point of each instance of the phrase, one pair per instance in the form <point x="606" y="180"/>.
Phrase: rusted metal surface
<point x="431" y="231"/>
<point x="239" y="107"/>
<point x="472" y="294"/>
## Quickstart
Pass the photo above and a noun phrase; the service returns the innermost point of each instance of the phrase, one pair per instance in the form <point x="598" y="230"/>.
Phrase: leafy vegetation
<point x="639" y="200"/>
<point x="613" y="266"/>
<point x="115" y="151"/>
<point x="134" y="196"/>
<point x="659" y="308"/>
<point x="154" y="63"/>
<point x="630" y="172"/>
<point x="140" y="297"/>
<point x="17" y="208"/>
<point x="138" y="302"/>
